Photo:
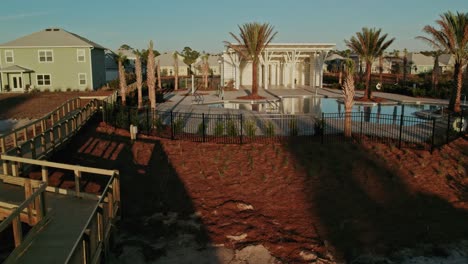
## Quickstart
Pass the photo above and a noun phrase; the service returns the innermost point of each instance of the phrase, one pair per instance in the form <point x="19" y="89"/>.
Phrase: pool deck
<point x="179" y="102"/>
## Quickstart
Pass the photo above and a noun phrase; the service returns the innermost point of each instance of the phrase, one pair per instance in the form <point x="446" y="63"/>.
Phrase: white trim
<point x="85" y="79"/>
<point x="12" y="56"/>
<point x="91" y="69"/>
<point x="45" y="55"/>
<point x="78" y="51"/>
<point x="43" y="74"/>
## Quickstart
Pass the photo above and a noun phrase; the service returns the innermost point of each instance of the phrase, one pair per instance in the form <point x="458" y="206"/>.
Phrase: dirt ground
<point x="36" y="105"/>
<point x="301" y="200"/>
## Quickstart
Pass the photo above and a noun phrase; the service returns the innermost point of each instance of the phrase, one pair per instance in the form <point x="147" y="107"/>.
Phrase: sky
<point x="203" y="25"/>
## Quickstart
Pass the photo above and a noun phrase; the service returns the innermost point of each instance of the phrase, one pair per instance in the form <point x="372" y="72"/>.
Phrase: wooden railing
<point x="32" y="210"/>
<point x="94" y="237"/>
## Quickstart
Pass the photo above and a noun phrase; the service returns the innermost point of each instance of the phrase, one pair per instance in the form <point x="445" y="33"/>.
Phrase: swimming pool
<point x="317" y="106"/>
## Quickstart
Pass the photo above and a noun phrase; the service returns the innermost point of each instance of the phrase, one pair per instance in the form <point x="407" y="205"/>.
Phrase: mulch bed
<point x="336" y="200"/>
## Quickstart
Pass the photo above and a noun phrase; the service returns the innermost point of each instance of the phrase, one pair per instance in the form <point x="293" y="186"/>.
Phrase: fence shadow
<point x="157" y="211"/>
<point x="364" y="206"/>
<point x="9" y="102"/>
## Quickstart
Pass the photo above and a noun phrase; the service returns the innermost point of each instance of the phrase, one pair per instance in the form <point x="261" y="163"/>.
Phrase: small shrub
<point x="57" y="90"/>
<point x="35" y="90"/>
<point x="293" y="130"/>
<point x="231" y="128"/>
<point x="318" y="126"/>
<point x="69" y="89"/>
<point x="219" y="128"/>
<point x="250" y="128"/>
<point x="178" y="126"/>
<point x="269" y="129"/>
<point x="121" y="119"/>
<point x="46" y="90"/>
<point x="201" y="129"/>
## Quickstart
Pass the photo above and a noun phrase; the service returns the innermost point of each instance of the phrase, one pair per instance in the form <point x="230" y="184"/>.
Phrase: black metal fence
<point x="399" y="130"/>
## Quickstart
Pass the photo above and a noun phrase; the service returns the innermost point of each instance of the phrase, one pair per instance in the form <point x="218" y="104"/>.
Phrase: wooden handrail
<point x="51" y="164"/>
<point x="4" y="224"/>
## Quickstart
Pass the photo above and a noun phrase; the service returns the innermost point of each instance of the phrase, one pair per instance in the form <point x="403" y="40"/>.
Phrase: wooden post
<point x="110" y="200"/>
<point x="67" y="130"/>
<point x="43" y="143"/>
<point x="77" y="182"/>
<point x="28" y="191"/>
<point x="32" y="145"/>
<point x="14" y="169"/>
<point x="43" y="124"/>
<point x="17" y="231"/>
<point x="45" y="174"/>
<point x="34" y="130"/>
<point x="25" y="133"/>
<point x="2" y="145"/>
<point x="15" y="140"/>
<point x="68" y="106"/>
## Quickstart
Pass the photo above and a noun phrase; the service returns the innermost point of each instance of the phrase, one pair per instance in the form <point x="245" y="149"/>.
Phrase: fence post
<point x="172" y="126"/>
<point x="362" y="119"/>
<point x="433" y="133"/>
<point x="448" y="129"/>
<point x="147" y="121"/>
<point x="401" y="130"/>
<point x="323" y="127"/>
<point x="241" y="126"/>
<point x="203" y="127"/>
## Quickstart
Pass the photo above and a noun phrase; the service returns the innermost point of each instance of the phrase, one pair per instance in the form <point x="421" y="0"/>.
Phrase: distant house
<point x="51" y="59"/>
<point x="419" y="63"/>
<point x="214" y="63"/>
<point x="166" y="62"/>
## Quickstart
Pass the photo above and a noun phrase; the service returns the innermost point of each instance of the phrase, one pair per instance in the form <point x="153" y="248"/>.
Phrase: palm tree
<point x="405" y="66"/>
<point x="175" y="56"/>
<point x="381" y="68"/>
<point x="158" y="69"/>
<point x="121" y="60"/>
<point x="452" y="38"/>
<point x="139" y="77"/>
<point x="348" y="92"/>
<point x="368" y="44"/>
<point x="253" y="38"/>
<point x="396" y="69"/>
<point x="205" y="67"/>
<point x="150" y="76"/>
<point x="436" y="68"/>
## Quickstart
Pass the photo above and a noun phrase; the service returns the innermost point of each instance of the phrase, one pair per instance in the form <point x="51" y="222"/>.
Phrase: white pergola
<point x="281" y="65"/>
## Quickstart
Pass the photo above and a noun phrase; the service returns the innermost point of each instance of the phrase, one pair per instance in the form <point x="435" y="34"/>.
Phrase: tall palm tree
<point x="436" y="68"/>
<point x="252" y="39"/>
<point x="369" y="44"/>
<point x="381" y="68"/>
<point x="405" y="66"/>
<point x="452" y="38"/>
<point x="150" y="76"/>
<point x="396" y="61"/>
<point x="205" y="67"/>
<point x="139" y="77"/>
<point x="348" y="93"/>
<point x="175" y="56"/>
<point x="158" y="69"/>
<point x="121" y="60"/>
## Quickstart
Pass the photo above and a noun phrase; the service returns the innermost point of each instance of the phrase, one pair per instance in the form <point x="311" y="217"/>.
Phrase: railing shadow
<point x="9" y="102"/>
<point x="363" y="206"/>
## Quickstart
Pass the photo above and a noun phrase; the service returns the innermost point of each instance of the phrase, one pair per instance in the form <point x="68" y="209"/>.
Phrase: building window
<point x="9" y="56"/>
<point x="82" y="78"/>
<point x="80" y="55"/>
<point x="43" y="79"/>
<point x="46" y="56"/>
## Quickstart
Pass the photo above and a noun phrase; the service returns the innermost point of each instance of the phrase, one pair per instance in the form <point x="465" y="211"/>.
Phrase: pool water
<point x="317" y="106"/>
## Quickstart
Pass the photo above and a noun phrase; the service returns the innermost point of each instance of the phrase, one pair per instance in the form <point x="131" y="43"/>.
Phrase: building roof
<point x="212" y="60"/>
<point x="15" y="68"/>
<point x="51" y="37"/>
<point x="166" y="60"/>
<point x="129" y="53"/>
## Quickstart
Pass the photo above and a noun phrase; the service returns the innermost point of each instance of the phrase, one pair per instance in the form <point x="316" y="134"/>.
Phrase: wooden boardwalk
<point x="68" y="216"/>
<point x="68" y="225"/>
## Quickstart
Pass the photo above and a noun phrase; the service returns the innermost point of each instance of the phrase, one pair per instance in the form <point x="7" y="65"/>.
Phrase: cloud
<point x="23" y="15"/>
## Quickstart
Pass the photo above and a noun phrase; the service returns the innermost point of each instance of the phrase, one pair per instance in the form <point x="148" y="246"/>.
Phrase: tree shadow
<point x="8" y="103"/>
<point x="362" y="205"/>
<point x="158" y="217"/>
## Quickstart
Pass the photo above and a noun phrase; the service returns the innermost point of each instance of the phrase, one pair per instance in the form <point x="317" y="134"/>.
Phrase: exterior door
<point x="16" y="83"/>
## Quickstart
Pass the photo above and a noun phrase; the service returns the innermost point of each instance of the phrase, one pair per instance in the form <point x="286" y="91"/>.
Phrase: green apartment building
<point x="52" y="59"/>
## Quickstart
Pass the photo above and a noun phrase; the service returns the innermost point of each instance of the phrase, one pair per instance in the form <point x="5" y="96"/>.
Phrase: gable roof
<point x="166" y="59"/>
<point x="52" y="37"/>
<point x="212" y="60"/>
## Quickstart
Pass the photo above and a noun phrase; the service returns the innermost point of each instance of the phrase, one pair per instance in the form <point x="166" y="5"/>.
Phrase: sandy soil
<point x="300" y="200"/>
